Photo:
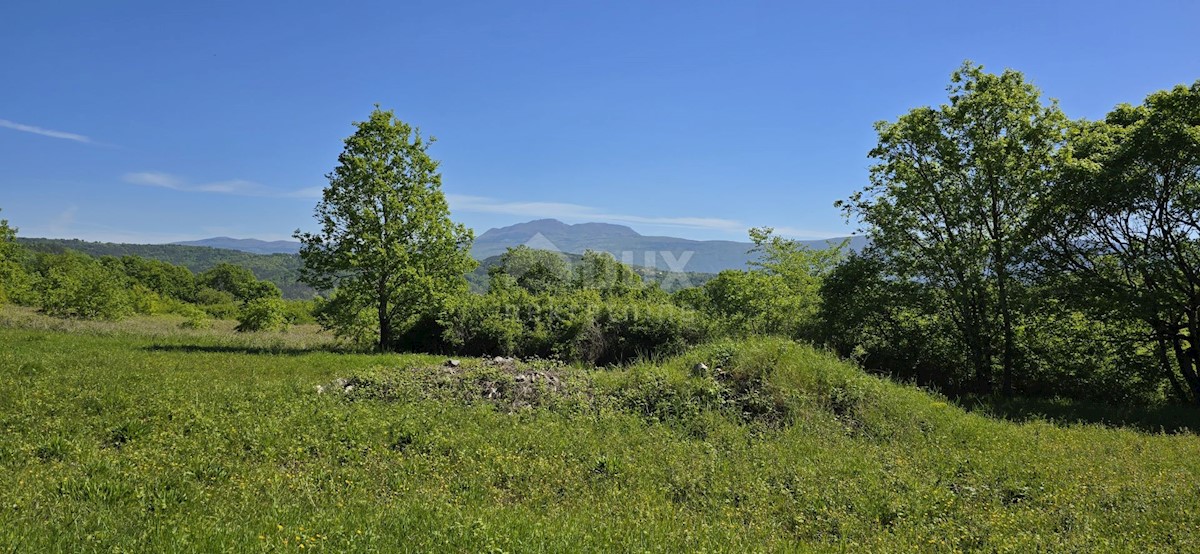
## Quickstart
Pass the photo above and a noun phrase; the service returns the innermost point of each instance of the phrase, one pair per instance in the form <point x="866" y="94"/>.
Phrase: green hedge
<point x="579" y="326"/>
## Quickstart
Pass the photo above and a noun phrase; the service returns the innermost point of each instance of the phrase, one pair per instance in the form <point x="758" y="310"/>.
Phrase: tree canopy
<point x="952" y="197"/>
<point x="386" y="241"/>
<point x="1126" y="214"/>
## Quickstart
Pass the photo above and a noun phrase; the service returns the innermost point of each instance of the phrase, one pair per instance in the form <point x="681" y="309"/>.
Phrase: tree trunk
<point x="1006" y="322"/>
<point x="1169" y="371"/>
<point x="1000" y="267"/>
<point x="385" y="323"/>
<point x="1185" y="367"/>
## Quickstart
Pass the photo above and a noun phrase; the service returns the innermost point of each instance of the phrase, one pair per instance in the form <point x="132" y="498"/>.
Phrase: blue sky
<point x="163" y="121"/>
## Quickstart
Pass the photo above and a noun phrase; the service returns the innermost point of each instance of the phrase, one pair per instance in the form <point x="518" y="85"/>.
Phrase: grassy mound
<point x="123" y="441"/>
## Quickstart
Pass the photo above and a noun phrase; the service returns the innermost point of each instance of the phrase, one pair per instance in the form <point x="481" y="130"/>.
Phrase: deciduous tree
<point x="1126" y="224"/>
<point x="386" y="240"/>
<point x="951" y="199"/>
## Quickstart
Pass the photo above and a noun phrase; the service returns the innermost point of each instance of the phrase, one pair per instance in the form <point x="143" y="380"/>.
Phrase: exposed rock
<point x="700" y="369"/>
<point x="453" y="363"/>
<point x="340" y="384"/>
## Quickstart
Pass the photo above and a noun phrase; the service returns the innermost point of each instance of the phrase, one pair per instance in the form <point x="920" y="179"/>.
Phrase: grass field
<point x="139" y="437"/>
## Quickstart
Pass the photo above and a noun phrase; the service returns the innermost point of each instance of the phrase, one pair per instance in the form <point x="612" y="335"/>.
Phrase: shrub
<point x="227" y="310"/>
<point x="194" y="318"/>
<point x="751" y="302"/>
<point x="262" y="314"/>
<point x="299" y="311"/>
<point x="76" y="285"/>
<point x="581" y="326"/>
<point x="237" y="281"/>
<point x="347" y="319"/>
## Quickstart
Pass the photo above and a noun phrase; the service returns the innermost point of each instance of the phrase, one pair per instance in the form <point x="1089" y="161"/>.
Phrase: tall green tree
<point x="602" y="272"/>
<point x="537" y="271"/>
<point x="951" y="199"/>
<point x="237" y="281"/>
<point x="386" y="241"/>
<point x="1126" y="224"/>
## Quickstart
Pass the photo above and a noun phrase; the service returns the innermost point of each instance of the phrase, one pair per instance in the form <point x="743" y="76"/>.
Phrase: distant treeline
<point x="284" y="269"/>
<point x="281" y="269"/>
<point x="72" y="284"/>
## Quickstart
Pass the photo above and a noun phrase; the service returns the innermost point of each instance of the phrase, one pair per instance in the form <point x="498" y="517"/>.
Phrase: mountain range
<point x="658" y="252"/>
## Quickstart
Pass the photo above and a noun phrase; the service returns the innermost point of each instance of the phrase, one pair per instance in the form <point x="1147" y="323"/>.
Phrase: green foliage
<point x="262" y="314"/>
<point x="800" y="266"/>
<point x="164" y="279"/>
<point x="281" y="269"/>
<point x="299" y="312"/>
<point x="195" y="318"/>
<point x="537" y="271"/>
<point x="581" y="326"/>
<point x="238" y="282"/>
<point x="386" y="241"/>
<point x="891" y="325"/>
<point x="77" y="285"/>
<point x="779" y="295"/>
<point x="1122" y="223"/>
<point x="602" y="272"/>
<point x="748" y="302"/>
<point x="16" y="285"/>
<point x="349" y="318"/>
<point x="951" y="205"/>
<point x="209" y="296"/>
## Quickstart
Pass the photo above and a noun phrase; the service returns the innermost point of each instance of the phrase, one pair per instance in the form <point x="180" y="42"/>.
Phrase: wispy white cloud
<point x="44" y="132"/>
<point x="579" y="212"/>
<point x="238" y="187"/>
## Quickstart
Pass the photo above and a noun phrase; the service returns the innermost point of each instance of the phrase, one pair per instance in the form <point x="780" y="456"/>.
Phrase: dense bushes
<point x="262" y="314"/>
<point x="16" y="285"/>
<point x="72" y="284"/>
<point x="579" y="325"/>
<point x="76" y="285"/>
<point x="778" y="295"/>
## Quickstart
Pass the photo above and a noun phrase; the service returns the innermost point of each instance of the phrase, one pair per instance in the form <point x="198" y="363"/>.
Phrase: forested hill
<point x="253" y="246"/>
<point x="281" y="269"/>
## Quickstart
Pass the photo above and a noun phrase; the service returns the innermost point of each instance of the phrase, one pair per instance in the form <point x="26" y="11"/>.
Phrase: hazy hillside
<point x="708" y="256"/>
<point x="247" y="245"/>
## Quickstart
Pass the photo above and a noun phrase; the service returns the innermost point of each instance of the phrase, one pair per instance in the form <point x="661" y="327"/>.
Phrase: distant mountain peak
<point x="666" y="253"/>
<point x="539" y="242"/>
<point x="553" y="227"/>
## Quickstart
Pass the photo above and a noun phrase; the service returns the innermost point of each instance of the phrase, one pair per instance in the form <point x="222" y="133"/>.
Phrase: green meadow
<point x="138" y="436"/>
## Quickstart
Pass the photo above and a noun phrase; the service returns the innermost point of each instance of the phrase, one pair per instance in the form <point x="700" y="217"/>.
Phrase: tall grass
<point x="136" y="440"/>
